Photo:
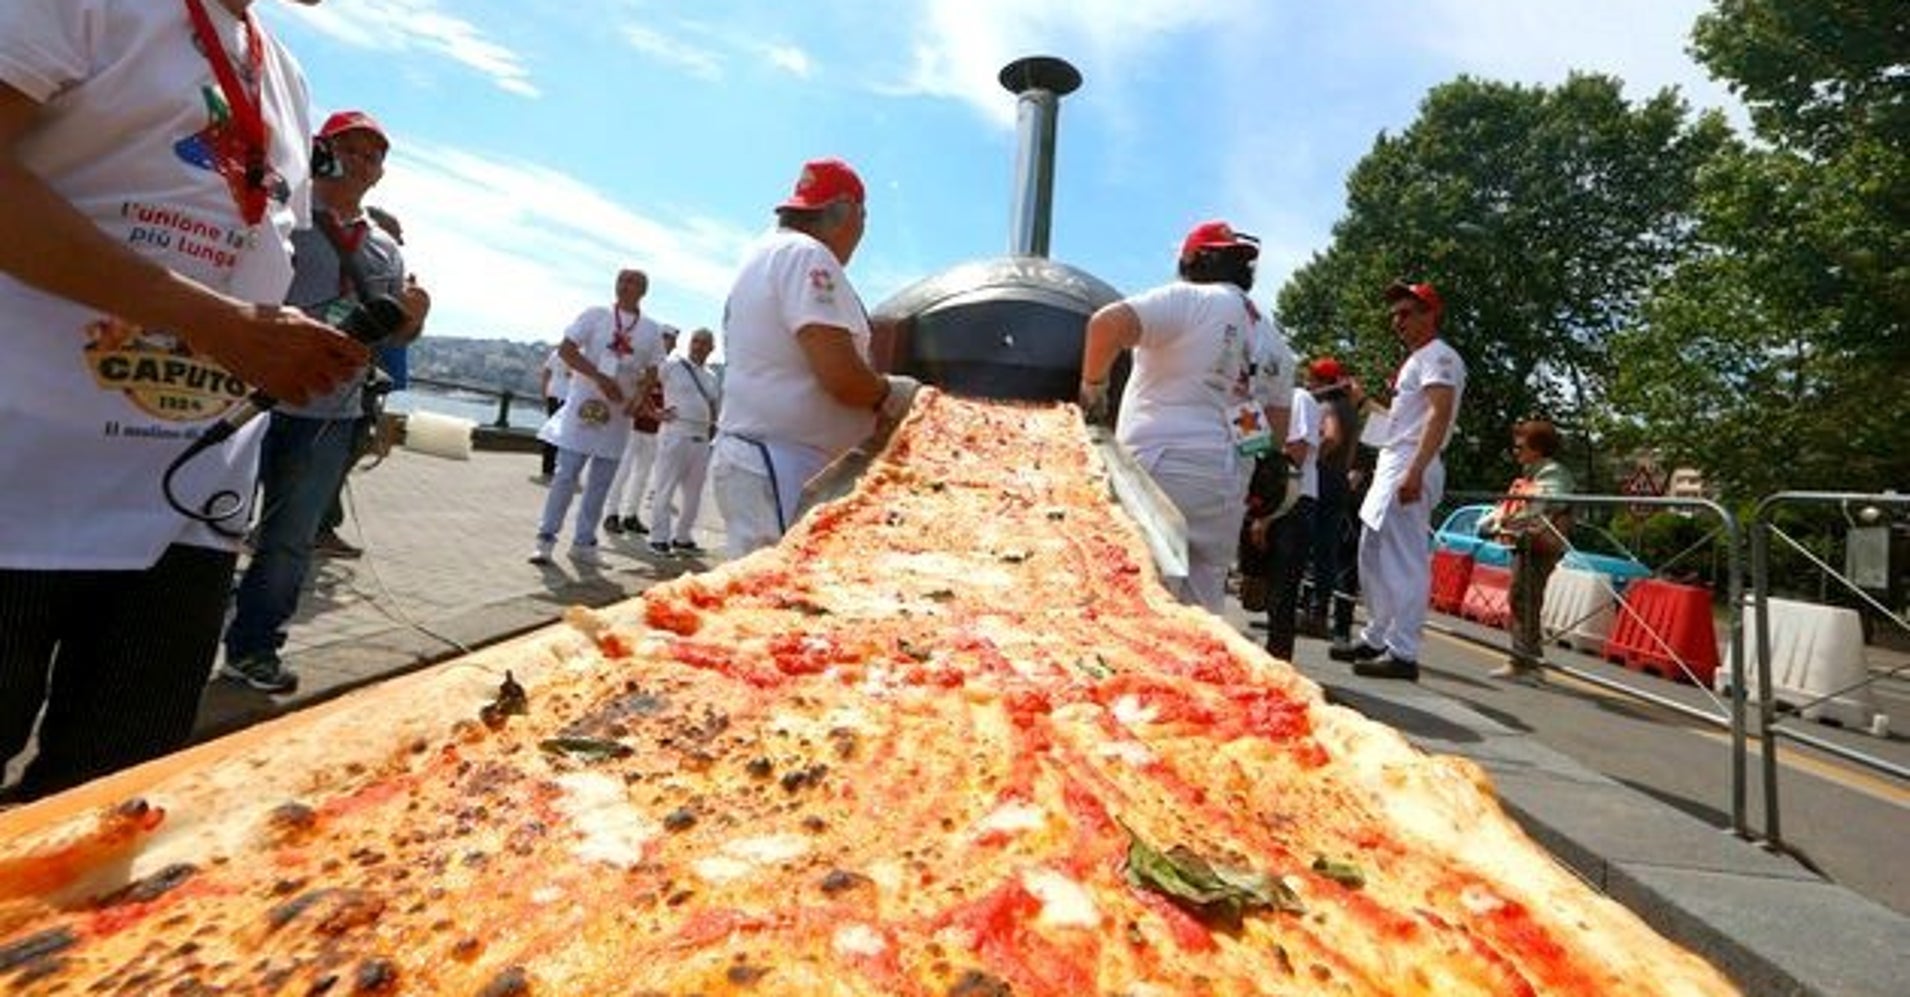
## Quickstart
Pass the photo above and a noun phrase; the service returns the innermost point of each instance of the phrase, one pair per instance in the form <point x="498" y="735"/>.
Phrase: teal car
<point x="1593" y="548"/>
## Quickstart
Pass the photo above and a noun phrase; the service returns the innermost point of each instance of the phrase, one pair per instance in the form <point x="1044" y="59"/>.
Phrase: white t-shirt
<point x="1303" y="425"/>
<point x="622" y="345"/>
<point x="1275" y="374"/>
<point x="789" y="280"/>
<point x="689" y="391"/>
<point x="1192" y="366"/>
<point x="93" y="409"/>
<point x="559" y="375"/>
<point x="1431" y="364"/>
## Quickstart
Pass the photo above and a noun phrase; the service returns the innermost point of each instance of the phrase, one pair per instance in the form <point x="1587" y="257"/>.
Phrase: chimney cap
<point x="1040" y="72"/>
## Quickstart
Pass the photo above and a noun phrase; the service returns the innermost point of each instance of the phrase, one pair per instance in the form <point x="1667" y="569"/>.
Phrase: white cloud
<point x="1642" y="42"/>
<point x="961" y="45"/>
<point x="699" y="62"/>
<point x="407" y="26"/>
<point x="515" y="249"/>
<point x="789" y="59"/>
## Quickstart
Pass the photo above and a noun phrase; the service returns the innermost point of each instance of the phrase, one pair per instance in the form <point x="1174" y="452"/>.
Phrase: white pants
<point x="633" y="474"/>
<point x="743" y="495"/>
<point x="682" y="462"/>
<point x="1396" y="566"/>
<point x="1207" y="487"/>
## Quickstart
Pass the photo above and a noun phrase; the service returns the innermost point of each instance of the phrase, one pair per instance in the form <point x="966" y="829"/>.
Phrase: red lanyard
<point x="619" y="336"/>
<point x="247" y="136"/>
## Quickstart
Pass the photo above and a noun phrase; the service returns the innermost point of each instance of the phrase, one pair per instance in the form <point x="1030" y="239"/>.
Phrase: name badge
<point x="1251" y="434"/>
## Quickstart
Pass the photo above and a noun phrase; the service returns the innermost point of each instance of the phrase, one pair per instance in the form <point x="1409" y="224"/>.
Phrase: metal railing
<point x="1732" y="716"/>
<point x="505" y="396"/>
<point x="1763" y="529"/>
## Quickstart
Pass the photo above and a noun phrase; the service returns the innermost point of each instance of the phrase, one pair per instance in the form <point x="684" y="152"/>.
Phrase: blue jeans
<point x="597" y="473"/>
<point x="301" y="464"/>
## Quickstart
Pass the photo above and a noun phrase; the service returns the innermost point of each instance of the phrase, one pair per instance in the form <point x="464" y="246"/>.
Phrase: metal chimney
<point x="1038" y="82"/>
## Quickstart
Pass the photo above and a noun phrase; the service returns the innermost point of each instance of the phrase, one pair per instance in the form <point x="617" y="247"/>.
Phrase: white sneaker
<point x="541" y="553"/>
<point x="588" y="555"/>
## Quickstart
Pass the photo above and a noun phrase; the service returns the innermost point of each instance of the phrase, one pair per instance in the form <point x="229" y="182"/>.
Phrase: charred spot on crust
<point x="152" y="887"/>
<point x="340" y="910"/>
<point x="375" y="976"/>
<point x="510" y="982"/>
<point x="840" y="880"/>
<point x="680" y="819"/>
<point x="976" y="983"/>
<point x="37" y="950"/>
<point x="290" y="821"/>
<point x="743" y="974"/>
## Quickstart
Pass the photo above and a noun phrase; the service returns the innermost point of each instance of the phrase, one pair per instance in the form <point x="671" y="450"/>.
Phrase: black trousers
<point x="551" y="405"/>
<point x="1283" y="563"/>
<point x="118" y="658"/>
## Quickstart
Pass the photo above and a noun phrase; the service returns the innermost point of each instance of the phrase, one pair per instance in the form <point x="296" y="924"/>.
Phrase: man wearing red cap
<point x="798" y="388"/>
<point x="1208" y="394"/>
<point x="1408" y="481"/>
<point x="154" y="159"/>
<point x="340" y="263"/>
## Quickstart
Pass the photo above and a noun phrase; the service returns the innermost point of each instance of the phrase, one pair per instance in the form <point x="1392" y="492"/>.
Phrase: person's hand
<point x="1093" y="400"/>
<point x="1411" y="486"/>
<point x="1257" y="528"/>
<point x="901" y="394"/>
<point x="282" y="351"/>
<point x="416" y="300"/>
<point x="607" y="385"/>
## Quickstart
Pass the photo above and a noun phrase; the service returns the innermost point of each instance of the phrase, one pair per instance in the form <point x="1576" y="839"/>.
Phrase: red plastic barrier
<point x="1661" y="624"/>
<point x="1451" y="573"/>
<point x="1488" y="598"/>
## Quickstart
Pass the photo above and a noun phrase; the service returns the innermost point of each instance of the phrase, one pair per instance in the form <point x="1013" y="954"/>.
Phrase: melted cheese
<point x="743" y="856"/>
<point x="858" y="940"/>
<point x="611" y="829"/>
<point x="1064" y="902"/>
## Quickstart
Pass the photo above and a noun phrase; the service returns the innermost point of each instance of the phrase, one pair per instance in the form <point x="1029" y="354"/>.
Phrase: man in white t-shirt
<point x="692" y="399"/>
<point x="639" y="455"/>
<point x="798" y="387"/>
<point x="612" y="353"/>
<point x="1408" y="481"/>
<point x="554" y="377"/>
<point x="1198" y="406"/>
<point x="144" y="250"/>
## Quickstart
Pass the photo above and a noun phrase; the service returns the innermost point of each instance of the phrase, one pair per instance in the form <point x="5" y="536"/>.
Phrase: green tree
<point x="1544" y="216"/>
<point x="1775" y="357"/>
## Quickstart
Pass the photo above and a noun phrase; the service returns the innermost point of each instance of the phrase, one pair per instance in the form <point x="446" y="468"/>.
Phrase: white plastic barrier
<point x="1815" y="650"/>
<point x="439" y="435"/>
<point x="1579" y="606"/>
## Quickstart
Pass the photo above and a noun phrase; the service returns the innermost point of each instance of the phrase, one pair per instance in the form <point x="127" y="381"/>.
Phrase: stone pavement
<point x="444" y="570"/>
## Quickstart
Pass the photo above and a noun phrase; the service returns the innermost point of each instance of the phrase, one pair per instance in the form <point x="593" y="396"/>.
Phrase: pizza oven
<point x="1009" y="327"/>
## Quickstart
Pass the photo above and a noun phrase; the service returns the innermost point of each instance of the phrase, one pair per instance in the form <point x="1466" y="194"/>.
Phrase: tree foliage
<point x="1776" y="355"/>
<point x="1544" y="215"/>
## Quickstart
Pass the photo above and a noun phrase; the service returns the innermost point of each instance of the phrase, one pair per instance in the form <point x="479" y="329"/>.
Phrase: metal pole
<point x="1039" y="82"/>
<point x="1740" y="749"/>
<point x="1767" y="695"/>
<point x="503" y="410"/>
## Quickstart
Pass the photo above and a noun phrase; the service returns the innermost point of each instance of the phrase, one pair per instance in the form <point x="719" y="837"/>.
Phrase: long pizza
<point x="949" y="738"/>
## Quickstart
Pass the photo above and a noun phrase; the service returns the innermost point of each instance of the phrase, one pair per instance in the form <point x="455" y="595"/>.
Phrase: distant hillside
<point x="494" y="364"/>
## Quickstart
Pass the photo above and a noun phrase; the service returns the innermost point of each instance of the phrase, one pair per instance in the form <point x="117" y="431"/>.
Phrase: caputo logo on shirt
<point x="158" y="373"/>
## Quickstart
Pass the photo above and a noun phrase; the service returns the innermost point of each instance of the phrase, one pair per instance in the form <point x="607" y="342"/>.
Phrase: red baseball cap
<point x="1327" y="370"/>
<point x="1422" y="293"/>
<point x="1216" y="235"/>
<point x="824" y="181"/>
<point x="349" y="121"/>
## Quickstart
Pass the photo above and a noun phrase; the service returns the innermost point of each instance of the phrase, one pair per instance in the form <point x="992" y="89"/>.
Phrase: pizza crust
<point x="980" y="672"/>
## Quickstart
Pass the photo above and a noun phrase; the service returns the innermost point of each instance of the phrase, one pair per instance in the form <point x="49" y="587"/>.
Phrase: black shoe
<point x="1351" y="651"/>
<point x="690" y="547"/>
<point x="632" y="524"/>
<point x="613" y="525"/>
<point x="1387" y="667"/>
<point x="1313" y="626"/>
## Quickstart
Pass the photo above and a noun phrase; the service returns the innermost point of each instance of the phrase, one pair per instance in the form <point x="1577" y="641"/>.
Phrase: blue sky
<point x="540" y="146"/>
